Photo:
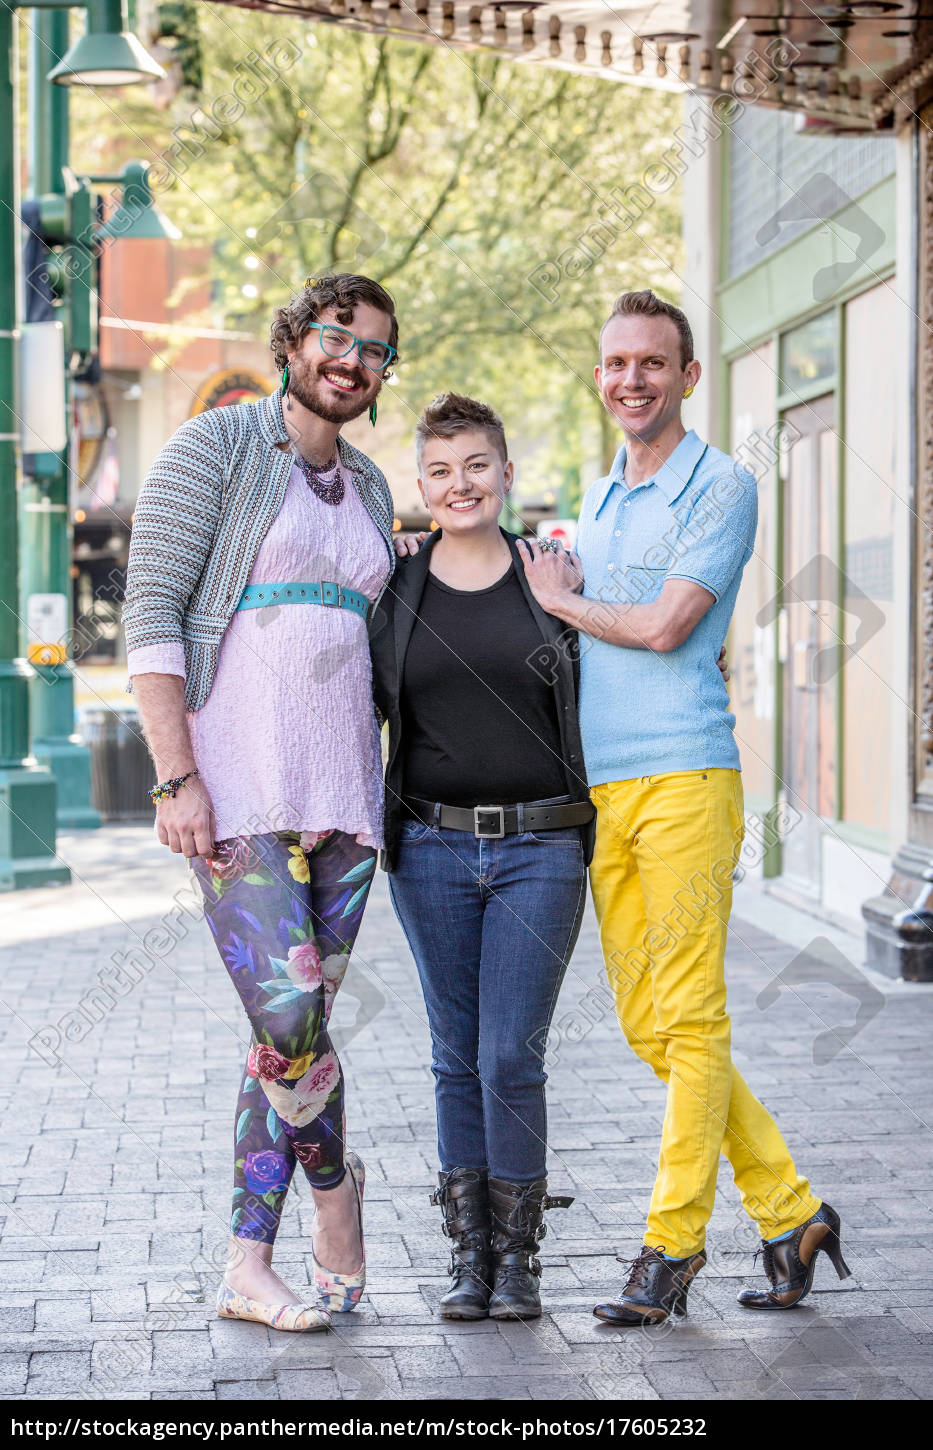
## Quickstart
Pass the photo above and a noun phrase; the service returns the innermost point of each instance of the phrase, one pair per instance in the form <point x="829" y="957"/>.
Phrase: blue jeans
<point x="491" y="925"/>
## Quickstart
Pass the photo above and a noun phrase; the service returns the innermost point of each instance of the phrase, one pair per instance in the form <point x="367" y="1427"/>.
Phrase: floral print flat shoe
<point x="342" y="1292"/>
<point x="296" y="1318"/>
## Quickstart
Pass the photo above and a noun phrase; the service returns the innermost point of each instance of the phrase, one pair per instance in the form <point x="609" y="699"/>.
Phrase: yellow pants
<point x="666" y="849"/>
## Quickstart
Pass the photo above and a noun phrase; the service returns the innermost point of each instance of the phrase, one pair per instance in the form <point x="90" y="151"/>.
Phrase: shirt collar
<point x="671" y="478"/>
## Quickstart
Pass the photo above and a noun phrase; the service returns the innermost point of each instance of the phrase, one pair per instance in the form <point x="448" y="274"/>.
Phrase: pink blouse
<point x="287" y="739"/>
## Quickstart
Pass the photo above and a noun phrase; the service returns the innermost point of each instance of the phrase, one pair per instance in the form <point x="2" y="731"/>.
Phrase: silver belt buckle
<point x="330" y="592"/>
<point x="484" y="835"/>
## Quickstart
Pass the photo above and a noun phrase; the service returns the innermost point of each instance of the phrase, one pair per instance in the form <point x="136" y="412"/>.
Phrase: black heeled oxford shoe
<point x="656" y="1287"/>
<point x="790" y="1264"/>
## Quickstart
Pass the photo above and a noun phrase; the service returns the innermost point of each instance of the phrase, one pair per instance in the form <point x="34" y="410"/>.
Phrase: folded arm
<point x="661" y="625"/>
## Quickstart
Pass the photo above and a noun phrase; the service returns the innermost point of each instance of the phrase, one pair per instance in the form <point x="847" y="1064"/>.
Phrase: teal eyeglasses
<point x="337" y="342"/>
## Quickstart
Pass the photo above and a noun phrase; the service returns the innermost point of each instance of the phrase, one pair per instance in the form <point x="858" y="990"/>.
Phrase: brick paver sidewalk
<point x="115" y="1142"/>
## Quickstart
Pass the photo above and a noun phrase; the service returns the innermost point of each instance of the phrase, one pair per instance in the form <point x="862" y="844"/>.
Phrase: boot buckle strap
<point x="557" y="1200"/>
<point x="517" y="1258"/>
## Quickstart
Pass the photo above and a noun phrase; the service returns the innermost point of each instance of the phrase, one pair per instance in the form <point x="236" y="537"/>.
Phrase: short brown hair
<point x="452" y="413"/>
<point x="342" y="291"/>
<point x="646" y="304"/>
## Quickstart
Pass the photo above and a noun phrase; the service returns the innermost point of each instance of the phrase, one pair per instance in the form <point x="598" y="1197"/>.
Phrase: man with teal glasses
<point x="261" y="541"/>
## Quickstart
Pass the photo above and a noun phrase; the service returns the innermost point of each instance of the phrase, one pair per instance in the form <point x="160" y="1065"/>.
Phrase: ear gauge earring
<point x="372" y="415"/>
<point x="288" y="406"/>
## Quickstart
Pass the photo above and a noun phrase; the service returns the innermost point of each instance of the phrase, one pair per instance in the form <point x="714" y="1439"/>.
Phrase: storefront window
<point x="808" y="354"/>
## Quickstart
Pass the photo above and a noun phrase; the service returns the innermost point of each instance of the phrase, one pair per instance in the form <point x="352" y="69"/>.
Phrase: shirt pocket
<point x="633" y="581"/>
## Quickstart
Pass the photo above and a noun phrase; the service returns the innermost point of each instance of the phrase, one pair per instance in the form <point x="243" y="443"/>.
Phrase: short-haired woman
<point x="488" y="834"/>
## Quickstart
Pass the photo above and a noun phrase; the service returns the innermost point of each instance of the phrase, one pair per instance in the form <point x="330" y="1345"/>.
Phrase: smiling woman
<point x="478" y="685"/>
<point x="464" y="478"/>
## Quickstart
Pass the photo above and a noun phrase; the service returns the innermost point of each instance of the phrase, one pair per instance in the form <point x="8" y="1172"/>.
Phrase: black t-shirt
<point x="479" y="724"/>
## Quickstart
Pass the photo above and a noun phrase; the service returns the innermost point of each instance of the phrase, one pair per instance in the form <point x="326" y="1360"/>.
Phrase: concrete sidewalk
<point x="115" y="1146"/>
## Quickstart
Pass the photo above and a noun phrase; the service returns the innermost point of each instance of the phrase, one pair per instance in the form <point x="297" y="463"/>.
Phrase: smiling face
<point x="641" y="376"/>
<point x="464" y="480"/>
<point x="337" y="388"/>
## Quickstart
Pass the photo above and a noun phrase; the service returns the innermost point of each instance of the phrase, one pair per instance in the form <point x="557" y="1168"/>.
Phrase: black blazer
<point x="389" y="635"/>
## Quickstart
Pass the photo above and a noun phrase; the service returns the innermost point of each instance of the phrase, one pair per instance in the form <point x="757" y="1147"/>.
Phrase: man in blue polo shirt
<point x="663" y="541"/>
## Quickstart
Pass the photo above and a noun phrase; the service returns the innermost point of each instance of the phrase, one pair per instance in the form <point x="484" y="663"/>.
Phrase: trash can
<point x="121" y="771"/>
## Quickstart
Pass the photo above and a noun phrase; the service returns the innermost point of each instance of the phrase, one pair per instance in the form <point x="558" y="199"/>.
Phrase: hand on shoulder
<point x="407" y="545"/>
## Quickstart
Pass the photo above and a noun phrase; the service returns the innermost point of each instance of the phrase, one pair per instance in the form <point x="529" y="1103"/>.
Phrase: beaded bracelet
<point x="169" y="787"/>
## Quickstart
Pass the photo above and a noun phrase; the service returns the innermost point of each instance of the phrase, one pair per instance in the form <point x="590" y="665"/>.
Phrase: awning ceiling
<point x="848" y="66"/>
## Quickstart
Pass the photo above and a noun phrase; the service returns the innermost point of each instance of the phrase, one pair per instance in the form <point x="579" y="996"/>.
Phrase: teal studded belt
<point x="258" y="596"/>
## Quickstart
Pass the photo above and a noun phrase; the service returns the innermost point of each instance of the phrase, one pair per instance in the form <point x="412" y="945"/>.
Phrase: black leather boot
<point x="790" y="1264"/>
<point x="656" y="1287"/>
<point x="463" y="1195"/>
<point x="517" y="1229"/>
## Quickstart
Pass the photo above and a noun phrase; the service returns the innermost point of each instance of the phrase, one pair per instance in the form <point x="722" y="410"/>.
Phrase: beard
<point x="305" y="384"/>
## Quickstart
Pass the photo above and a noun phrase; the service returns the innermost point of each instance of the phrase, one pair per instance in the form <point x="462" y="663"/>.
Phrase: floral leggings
<point x="285" y="919"/>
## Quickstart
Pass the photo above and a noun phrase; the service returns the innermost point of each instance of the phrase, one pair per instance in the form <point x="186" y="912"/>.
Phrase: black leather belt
<point x="491" y="823"/>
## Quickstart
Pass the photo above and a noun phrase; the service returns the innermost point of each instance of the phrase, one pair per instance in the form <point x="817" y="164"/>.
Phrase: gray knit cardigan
<point x="204" y="509"/>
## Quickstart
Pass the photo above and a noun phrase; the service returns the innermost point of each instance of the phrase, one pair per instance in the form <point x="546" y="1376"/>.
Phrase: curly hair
<point x="647" y="304"/>
<point x="341" y="291"/>
<point x="452" y="413"/>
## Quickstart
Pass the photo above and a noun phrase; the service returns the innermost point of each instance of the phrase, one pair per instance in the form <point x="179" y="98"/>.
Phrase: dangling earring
<point x="688" y="392"/>
<point x="372" y="414"/>
<point x="288" y="405"/>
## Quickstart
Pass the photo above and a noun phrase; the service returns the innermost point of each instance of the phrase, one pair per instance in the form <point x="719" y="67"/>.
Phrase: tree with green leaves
<point x="483" y="193"/>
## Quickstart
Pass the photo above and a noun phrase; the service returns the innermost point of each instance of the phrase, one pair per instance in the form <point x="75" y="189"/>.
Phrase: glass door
<point x="807" y="635"/>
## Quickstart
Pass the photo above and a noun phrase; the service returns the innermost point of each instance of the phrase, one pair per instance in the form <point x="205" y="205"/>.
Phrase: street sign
<point x="42" y="387"/>
<point x="46" y="629"/>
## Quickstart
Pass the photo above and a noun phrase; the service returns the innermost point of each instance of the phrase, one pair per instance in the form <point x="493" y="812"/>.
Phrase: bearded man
<point x="261" y="541"/>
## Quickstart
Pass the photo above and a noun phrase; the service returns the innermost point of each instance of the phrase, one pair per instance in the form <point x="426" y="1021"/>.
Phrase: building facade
<point x="808" y="178"/>
<point x="792" y="241"/>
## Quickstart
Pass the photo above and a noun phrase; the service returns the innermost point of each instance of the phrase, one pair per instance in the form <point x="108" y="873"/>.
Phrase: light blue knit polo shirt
<point x="647" y="713"/>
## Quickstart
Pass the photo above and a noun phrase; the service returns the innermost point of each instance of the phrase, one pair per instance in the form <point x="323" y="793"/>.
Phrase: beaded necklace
<point x="328" y="490"/>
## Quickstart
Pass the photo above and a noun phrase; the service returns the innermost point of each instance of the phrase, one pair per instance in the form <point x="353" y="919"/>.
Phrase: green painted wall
<point x="780" y="291"/>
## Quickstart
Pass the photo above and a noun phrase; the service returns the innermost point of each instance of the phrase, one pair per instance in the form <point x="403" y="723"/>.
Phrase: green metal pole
<point x="47" y="143"/>
<point x="27" y="792"/>
<point x="45" y="525"/>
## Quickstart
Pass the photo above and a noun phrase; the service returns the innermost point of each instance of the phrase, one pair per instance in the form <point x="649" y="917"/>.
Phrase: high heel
<point x="679" y="1306"/>
<point x="342" y="1292"/>
<point x="834" y="1251"/>
<point x="790" y="1263"/>
<point x="295" y="1318"/>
